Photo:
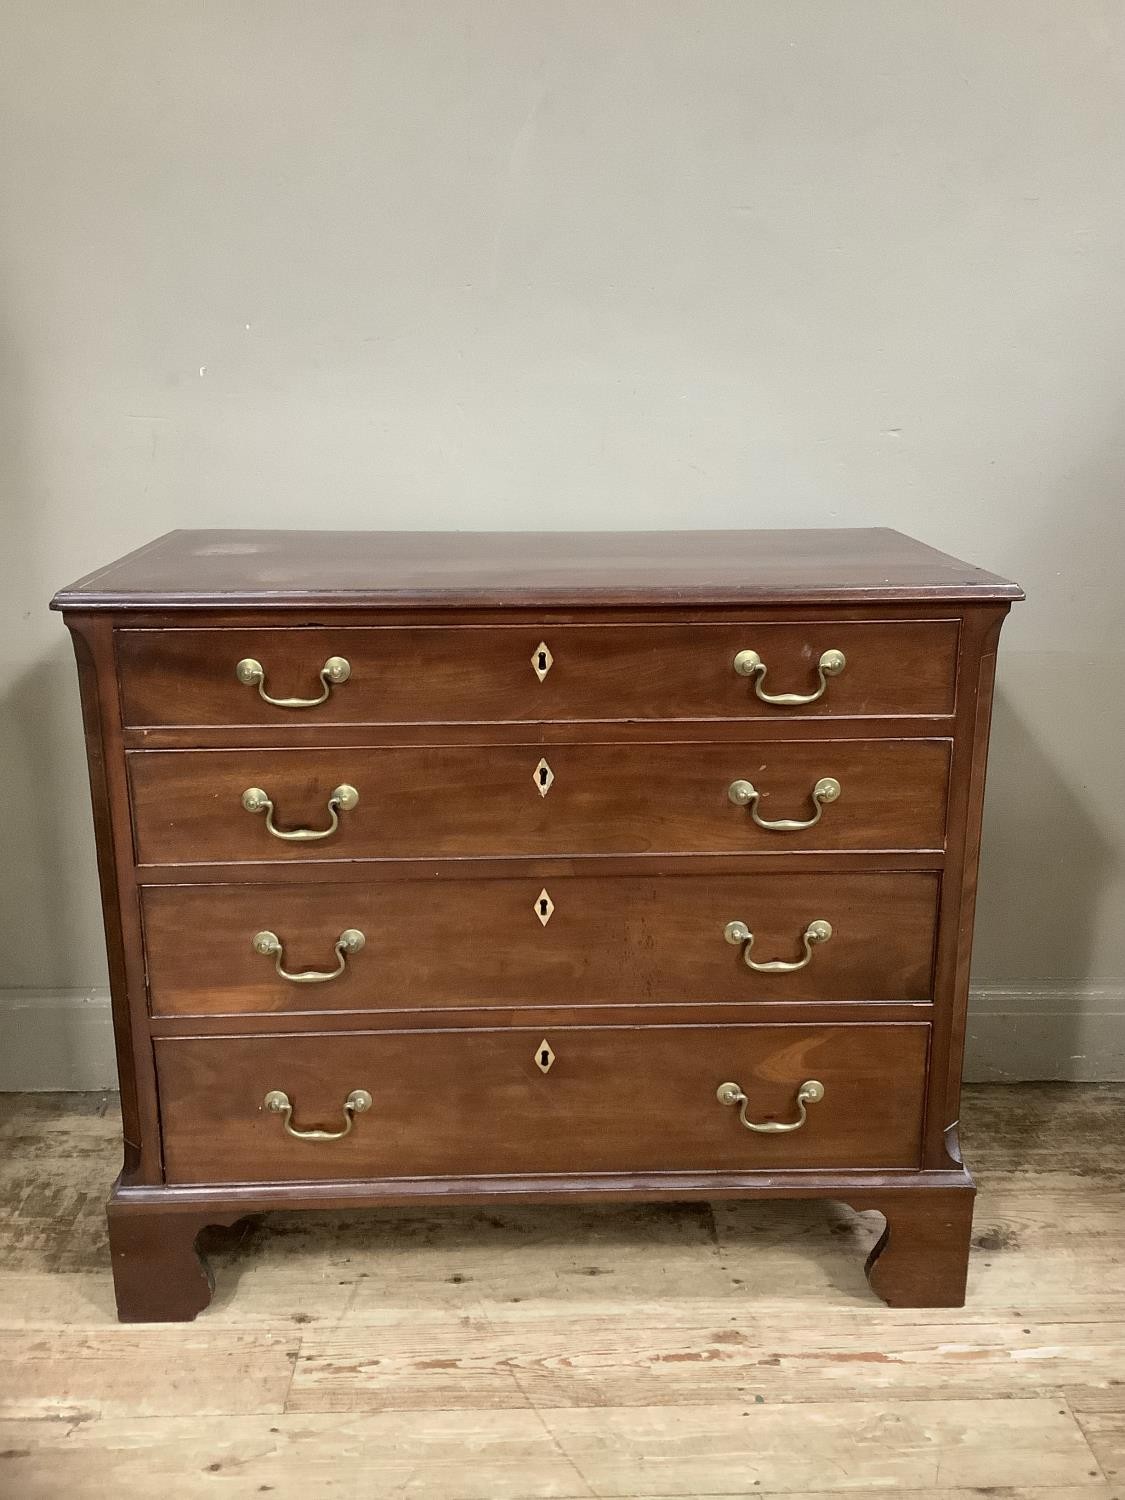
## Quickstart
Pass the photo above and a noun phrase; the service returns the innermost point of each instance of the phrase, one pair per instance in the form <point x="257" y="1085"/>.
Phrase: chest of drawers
<point x="536" y="866"/>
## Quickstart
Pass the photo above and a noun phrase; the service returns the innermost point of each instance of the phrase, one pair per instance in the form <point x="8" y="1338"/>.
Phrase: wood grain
<point x="616" y="1099"/>
<point x="443" y="674"/>
<point x="474" y="777"/>
<point x="729" y="1448"/>
<point x="580" y="1361"/>
<point x="431" y="803"/>
<point x="385" y="569"/>
<point x="613" y="939"/>
<point x="111" y="1372"/>
<point x="609" y="1338"/>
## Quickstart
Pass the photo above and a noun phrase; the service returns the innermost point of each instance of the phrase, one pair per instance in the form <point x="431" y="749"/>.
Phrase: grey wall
<point x="551" y="264"/>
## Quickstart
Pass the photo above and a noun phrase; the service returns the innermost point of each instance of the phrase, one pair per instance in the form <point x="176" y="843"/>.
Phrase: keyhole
<point x="543" y="906"/>
<point x="541" y="660"/>
<point x="544" y="1057"/>
<point x="542" y="776"/>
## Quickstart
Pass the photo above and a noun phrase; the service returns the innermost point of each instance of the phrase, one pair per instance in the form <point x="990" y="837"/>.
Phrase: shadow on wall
<point x="1044" y="866"/>
<point x="49" y="923"/>
<point x="48" y="884"/>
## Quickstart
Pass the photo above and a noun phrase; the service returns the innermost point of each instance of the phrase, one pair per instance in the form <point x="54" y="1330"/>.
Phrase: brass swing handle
<point x="750" y="664"/>
<point x="268" y="944"/>
<point x="277" y="1103"/>
<point x="810" y="1092"/>
<point x="745" y="794"/>
<point x="251" y="673"/>
<point x="737" y="933"/>
<point x="343" y="799"/>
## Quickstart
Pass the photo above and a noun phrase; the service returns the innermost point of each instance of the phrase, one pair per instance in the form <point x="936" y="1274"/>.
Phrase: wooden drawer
<point x="615" y="1099"/>
<point x="425" y="801"/>
<point x="449" y="674"/>
<point x="438" y="944"/>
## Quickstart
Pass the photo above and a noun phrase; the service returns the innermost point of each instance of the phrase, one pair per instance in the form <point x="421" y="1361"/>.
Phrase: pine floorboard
<point x="512" y="1353"/>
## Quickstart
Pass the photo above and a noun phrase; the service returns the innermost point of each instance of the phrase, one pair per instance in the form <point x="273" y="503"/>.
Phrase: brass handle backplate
<point x="343" y="799"/>
<point x="251" y="673"/>
<point x="810" y="1092"/>
<point x="750" y="664"/>
<point x="277" y="1103"/>
<point x="268" y="944"/>
<point x="745" y="794"/>
<point x="738" y="934"/>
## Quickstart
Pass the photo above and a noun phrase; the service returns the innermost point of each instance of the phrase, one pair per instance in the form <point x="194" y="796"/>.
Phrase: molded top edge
<point x="381" y="569"/>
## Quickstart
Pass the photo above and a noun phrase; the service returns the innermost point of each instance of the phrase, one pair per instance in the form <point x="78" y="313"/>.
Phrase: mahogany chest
<point x="536" y="866"/>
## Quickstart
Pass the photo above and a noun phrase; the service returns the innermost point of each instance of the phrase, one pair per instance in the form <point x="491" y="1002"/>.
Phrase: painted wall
<point x="546" y="264"/>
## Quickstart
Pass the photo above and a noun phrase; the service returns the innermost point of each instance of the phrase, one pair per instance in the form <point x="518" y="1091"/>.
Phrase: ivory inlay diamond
<point x="541" y="660"/>
<point x="544" y="906"/>
<point x="544" y="1057"/>
<point x="543" y="776"/>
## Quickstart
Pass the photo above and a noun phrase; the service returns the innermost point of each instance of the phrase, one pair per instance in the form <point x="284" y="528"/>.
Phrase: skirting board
<point x="56" y="1040"/>
<point x="1074" y="1033"/>
<point x="63" y="1039"/>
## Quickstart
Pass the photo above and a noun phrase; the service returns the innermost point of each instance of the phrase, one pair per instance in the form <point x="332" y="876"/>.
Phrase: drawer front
<point x="438" y="944"/>
<point x="426" y="802"/>
<point x="476" y="674"/>
<point x="614" y="1099"/>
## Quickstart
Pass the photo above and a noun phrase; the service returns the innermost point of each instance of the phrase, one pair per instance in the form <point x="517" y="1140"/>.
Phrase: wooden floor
<point x="516" y="1353"/>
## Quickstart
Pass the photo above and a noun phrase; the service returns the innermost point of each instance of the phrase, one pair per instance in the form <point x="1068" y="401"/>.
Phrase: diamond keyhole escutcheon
<point x="544" y="1056"/>
<point x="543" y="777"/>
<point x="542" y="660"/>
<point x="544" y="906"/>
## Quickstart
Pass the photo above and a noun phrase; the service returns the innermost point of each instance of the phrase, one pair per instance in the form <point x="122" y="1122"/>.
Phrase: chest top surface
<point x="371" y="569"/>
